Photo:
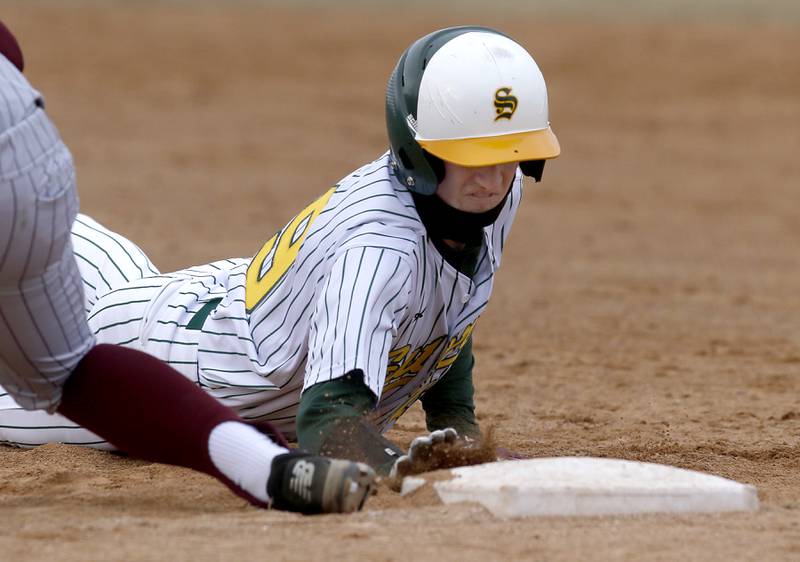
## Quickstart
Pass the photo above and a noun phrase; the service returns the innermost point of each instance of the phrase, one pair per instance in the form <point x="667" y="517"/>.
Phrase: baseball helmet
<point x="468" y="95"/>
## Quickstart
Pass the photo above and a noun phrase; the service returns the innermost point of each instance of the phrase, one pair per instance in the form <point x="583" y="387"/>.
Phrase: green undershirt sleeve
<point x="450" y="402"/>
<point x="332" y="421"/>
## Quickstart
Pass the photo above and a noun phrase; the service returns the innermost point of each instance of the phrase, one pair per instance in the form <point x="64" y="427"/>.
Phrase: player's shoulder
<point x="370" y="209"/>
<point x="372" y="195"/>
<point x="383" y="238"/>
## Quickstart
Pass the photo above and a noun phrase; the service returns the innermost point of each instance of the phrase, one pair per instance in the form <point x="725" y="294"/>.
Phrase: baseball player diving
<point x="366" y="300"/>
<point x="50" y="359"/>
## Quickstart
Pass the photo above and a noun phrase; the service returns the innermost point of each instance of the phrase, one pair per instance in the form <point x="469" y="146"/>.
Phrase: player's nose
<point x="490" y="178"/>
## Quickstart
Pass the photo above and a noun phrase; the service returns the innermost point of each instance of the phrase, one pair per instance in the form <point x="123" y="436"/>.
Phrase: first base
<point x="585" y="486"/>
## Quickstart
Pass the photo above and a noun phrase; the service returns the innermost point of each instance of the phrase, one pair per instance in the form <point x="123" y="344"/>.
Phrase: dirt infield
<point x="648" y="306"/>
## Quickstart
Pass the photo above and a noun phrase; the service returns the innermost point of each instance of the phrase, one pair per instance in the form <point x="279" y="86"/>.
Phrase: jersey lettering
<point x="404" y="365"/>
<point x="401" y="369"/>
<point x="453" y="349"/>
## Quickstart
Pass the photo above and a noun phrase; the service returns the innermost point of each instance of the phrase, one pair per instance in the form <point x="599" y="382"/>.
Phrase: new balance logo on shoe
<point x="302" y="476"/>
<point x="308" y="484"/>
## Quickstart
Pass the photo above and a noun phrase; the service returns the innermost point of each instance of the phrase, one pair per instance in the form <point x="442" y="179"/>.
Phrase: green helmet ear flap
<point x="408" y="159"/>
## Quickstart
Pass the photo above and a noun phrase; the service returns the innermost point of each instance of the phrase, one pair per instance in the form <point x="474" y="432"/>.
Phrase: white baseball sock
<point x="244" y="455"/>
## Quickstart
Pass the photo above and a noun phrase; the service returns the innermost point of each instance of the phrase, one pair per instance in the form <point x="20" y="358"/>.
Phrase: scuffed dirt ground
<point x="648" y="305"/>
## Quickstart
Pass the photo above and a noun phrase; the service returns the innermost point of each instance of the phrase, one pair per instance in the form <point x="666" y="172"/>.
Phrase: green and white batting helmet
<point x="471" y="96"/>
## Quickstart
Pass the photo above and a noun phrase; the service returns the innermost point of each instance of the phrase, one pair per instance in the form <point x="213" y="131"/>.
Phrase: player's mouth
<point x="483" y="195"/>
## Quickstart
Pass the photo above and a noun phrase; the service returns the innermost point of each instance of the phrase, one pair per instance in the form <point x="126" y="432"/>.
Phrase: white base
<point x="588" y="486"/>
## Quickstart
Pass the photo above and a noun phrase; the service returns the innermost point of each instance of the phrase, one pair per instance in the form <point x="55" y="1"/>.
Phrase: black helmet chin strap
<point x="448" y="223"/>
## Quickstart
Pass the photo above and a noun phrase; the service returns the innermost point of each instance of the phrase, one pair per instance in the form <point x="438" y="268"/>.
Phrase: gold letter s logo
<point x="504" y="103"/>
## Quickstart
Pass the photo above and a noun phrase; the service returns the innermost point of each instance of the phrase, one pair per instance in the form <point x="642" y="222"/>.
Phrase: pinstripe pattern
<point x="105" y="259"/>
<point x="25" y="428"/>
<point x="43" y="330"/>
<point x="367" y="290"/>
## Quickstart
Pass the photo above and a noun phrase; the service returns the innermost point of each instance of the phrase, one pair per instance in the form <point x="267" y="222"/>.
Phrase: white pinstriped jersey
<point x="352" y="282"/>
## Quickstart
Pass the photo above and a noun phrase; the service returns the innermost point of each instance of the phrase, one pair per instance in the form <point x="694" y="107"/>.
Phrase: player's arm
<point x="332" y="420"/>
<point x="450" y="402"/>
<point x="365" y="294"/>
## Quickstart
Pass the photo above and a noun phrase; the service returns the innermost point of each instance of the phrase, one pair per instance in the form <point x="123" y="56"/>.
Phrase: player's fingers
<point x="421" y="448"/>
<point x="450" y="435"/>
<point x="437" y="436"/>
<point x="419" y="442"/>
<point x="401" y="467"/>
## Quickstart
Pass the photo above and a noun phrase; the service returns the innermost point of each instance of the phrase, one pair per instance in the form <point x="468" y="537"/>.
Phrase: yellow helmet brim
<point x="488" y="151"/>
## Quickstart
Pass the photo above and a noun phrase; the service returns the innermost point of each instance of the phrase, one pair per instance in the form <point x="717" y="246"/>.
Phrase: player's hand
<point x="424" y="452"/>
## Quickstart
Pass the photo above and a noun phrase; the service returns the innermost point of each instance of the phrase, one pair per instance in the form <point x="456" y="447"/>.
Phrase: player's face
<point x="478" y="189"/>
